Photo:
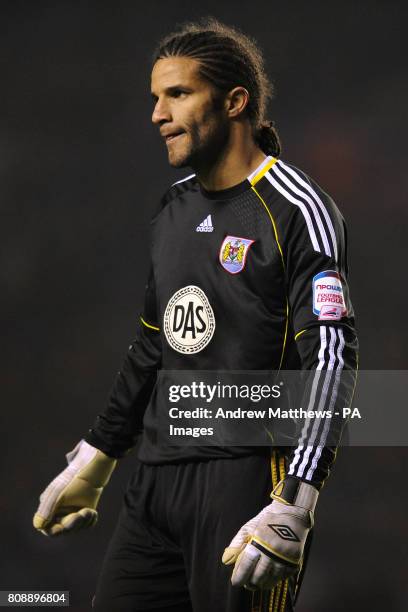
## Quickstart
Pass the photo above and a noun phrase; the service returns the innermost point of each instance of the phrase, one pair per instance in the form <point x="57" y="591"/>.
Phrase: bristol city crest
<point x="233" y="253"/>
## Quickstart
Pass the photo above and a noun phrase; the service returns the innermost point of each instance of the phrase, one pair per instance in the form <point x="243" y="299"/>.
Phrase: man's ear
<point x="236" y="101"/>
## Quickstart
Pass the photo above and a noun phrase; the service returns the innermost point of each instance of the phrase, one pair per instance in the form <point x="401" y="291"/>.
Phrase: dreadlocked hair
<point x="227" y="59"/>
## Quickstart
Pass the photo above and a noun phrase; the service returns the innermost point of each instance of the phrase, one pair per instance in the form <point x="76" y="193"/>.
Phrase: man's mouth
<point x="173" y="137"/>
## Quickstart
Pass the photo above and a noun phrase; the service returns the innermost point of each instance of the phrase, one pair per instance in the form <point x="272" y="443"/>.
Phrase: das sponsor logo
<point x="328" y="296"/>
<point x="189" y="321"/>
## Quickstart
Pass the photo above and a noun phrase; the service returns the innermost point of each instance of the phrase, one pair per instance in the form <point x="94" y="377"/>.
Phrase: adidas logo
<point x="206" y="225"/>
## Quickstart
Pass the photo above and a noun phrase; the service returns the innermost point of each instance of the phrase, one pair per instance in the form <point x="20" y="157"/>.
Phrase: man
<point x="291" y="309"/>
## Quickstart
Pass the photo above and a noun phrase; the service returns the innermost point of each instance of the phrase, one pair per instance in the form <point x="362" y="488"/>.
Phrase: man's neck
<point x="232" y="166"/>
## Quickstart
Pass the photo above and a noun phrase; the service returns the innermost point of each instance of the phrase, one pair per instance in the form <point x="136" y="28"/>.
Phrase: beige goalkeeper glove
<point x="69" y="502"/>
<point x="269" y="547"/>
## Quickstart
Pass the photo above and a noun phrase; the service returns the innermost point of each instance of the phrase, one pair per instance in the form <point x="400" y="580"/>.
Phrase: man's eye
<point x="177" y="93"/>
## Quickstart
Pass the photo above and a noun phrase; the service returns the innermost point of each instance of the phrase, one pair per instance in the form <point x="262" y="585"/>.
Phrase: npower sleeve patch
<point x="328" y="296"/>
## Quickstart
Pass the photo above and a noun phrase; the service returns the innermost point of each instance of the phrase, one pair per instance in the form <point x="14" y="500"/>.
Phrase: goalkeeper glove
<point x="69" y="502"/>
<point x="269" y="547"/>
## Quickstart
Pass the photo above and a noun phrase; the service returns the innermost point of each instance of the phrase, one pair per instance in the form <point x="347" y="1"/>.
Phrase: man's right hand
<point x="70" y="500"/>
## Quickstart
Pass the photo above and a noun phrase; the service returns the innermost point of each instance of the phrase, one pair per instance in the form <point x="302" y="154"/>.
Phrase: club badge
<point x="233" y="253"/>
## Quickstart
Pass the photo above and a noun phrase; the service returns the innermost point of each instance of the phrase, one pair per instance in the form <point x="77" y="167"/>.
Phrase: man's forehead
<point x="172" y="71"/>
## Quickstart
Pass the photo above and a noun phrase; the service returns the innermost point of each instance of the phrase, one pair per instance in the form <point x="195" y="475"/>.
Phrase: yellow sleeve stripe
<point x="273" y="224"/>
<point x="286" y="333"/>
<point x="264" y="170"/>
<point x="281" y="254"/>
<point x="300" y="333"/>
<point x="148" y="325"/>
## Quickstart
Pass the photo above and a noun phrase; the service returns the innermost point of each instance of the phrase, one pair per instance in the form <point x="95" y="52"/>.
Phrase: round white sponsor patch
<point x="189" y="321"/>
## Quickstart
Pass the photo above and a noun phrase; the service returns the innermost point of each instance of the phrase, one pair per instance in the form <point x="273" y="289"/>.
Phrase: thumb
<point x="230" y="555"/>
<point x="239" y="542"/>
<point x="237" y="545"/>
<point x="40" y="522"/>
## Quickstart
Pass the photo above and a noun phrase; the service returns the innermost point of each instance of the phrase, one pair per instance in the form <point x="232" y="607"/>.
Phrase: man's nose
<point x="161" y="113"/>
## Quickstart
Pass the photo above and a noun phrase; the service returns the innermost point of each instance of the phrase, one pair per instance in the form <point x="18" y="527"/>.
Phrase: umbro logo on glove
<point x="269" y="547"/>
<point x="285" y="532"/>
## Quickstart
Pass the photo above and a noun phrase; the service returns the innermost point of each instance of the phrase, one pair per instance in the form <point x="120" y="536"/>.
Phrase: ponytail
<point x="267" y="138"/>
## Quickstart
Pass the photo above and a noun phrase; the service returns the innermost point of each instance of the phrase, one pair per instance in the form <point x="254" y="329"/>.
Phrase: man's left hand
<point x="269" y="547"/>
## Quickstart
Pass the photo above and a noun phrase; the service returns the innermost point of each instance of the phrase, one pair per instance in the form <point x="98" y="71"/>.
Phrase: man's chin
<point x="178" y="162"/>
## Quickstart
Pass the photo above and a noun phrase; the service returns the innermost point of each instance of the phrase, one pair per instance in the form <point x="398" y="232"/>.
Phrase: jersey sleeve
<point x="328" y="356"/>
<point x="322" y="322"/>
<point x="316" y="270"/>
<point x="115" y="430"/>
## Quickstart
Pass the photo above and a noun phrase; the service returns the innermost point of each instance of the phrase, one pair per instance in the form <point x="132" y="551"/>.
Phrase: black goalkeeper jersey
<point x="253" y="277"/>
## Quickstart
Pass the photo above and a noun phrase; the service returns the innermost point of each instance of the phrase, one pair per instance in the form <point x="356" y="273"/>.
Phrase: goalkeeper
<point x="248" y="272"/>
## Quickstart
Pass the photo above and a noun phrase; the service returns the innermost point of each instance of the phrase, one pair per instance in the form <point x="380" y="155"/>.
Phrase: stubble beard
<point x="201" y="150"/>
<point x="181" y="159"/>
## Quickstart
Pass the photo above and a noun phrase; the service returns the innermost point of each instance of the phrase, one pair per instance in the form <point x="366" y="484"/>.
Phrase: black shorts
<point x="165" y="553"/>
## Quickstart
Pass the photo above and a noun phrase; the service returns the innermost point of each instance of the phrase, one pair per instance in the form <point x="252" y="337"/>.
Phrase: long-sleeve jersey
<point x="253" y="277"/>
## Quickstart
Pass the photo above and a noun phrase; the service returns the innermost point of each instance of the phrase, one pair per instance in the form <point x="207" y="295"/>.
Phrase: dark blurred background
<point x="82" y="168"/>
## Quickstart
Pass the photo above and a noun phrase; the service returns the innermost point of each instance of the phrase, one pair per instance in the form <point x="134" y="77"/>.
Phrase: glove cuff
<point x="91" y="464"/>
<point x="295" y="492"/>
<point x="81" y="454"/>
